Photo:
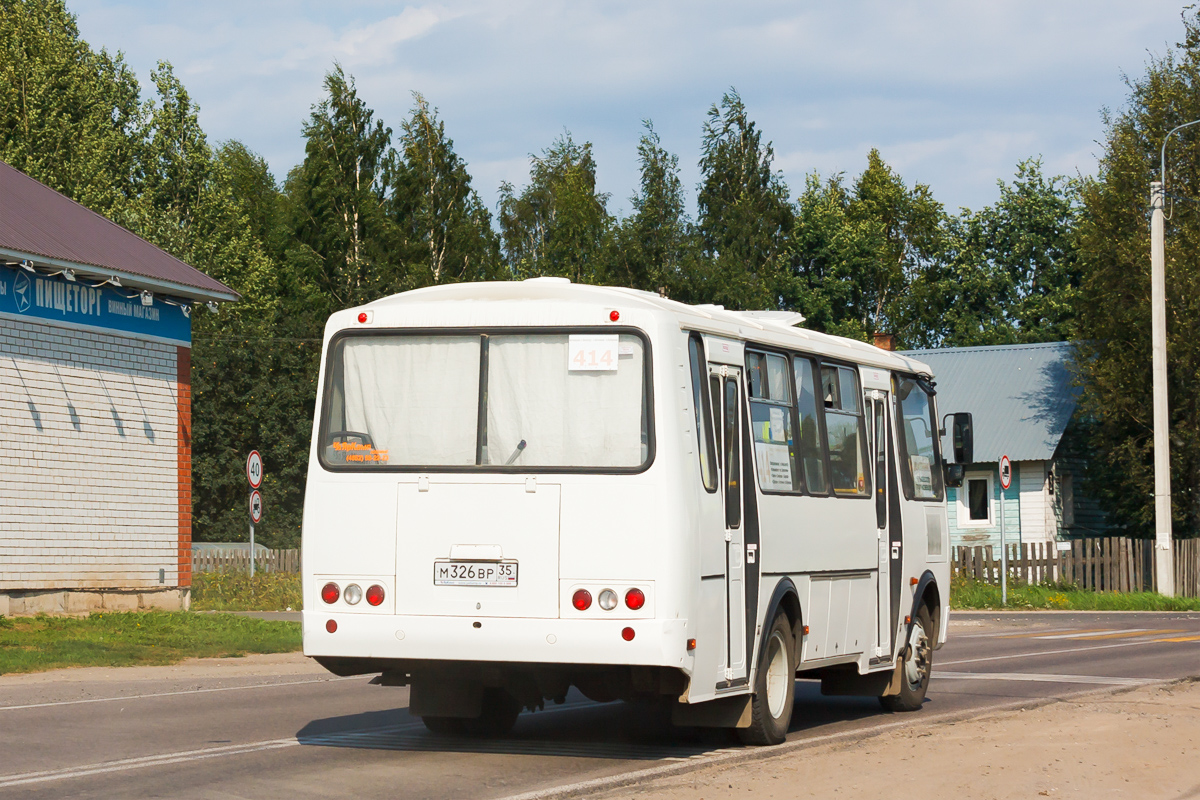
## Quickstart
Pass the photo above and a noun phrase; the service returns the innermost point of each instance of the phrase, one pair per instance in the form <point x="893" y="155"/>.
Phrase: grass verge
<point x="33" y="644"/>
<point x="237" y="591"/>
<point x="968" y="593"/>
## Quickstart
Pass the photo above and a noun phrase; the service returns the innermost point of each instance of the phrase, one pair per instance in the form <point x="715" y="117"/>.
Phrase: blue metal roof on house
<point x="1020" y="395"/>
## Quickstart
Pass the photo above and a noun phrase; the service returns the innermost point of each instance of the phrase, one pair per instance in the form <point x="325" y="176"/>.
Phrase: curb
<point x="586" y="788"/>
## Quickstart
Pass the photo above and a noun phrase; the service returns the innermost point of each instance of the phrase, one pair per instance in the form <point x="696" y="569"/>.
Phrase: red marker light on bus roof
<point x="375" y="595"/>
<point x="330" y="593"/>
<point x="362" y="316"/>
<point x="614" y="315"/>
<point x="582" y="599"/>
<point x="635" y="599"/>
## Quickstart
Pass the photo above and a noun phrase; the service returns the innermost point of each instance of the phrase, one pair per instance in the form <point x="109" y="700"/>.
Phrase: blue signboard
<point x="79" y="304"/>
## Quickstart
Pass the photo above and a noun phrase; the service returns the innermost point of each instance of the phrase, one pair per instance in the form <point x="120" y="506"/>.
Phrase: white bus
<point x="516" y="488"/>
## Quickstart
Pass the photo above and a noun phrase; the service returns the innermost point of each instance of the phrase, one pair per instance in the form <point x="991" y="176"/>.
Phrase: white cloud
<point x="953" y="93"/>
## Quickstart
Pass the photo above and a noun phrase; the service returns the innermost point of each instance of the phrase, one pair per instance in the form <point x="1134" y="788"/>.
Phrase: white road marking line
<point x="1006" y="635"/>
<point x="147" y="761"/>
<point x="181" y="692"/>
<point x="184" y="756"/>
<point x="178" y="757"/>
<point x="1047" y="652"/>
<point x="1089" y="634"/>
<point x="1043" y="678"/>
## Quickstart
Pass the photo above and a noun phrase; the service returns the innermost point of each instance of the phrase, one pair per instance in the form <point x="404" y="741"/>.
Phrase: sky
<point x="952" y="93"/>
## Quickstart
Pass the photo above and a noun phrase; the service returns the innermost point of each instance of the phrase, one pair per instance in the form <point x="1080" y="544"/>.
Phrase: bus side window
<point x="771" y="422"/>
<point x="812" y="449"/>
<point x="844" y="426"/>
<point x="703" y="406"/>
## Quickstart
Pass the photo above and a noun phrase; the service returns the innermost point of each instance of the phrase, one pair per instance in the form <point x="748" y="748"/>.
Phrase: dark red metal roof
<point x="36" y="221"/>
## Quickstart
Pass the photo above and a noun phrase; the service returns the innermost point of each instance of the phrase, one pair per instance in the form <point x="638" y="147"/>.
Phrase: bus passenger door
<point x="885" y="479"/>
<point x="726" y="392"/>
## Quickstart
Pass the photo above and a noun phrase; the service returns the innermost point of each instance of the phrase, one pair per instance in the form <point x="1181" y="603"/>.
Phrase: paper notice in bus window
<point x="922" y="476"/>
<point x="774" y="466"/>
<point x="778" y="425"/>
<point x="592" y="353"/>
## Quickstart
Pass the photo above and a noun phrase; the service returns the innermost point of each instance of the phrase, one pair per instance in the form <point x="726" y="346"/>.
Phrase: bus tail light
<point x="635" y="599"/>
<point x="582" y="599"/>
<point x="375" y="595"/>
<point x="627" y="634"/>
<point x="331" y="626"/>
<point x="330" y="592"/>
<point x="353" y="594"/>
<point x="608" y="600"/>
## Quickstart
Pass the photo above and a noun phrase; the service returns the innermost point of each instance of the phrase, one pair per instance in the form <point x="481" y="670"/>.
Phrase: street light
<point x="1164" y="568"/>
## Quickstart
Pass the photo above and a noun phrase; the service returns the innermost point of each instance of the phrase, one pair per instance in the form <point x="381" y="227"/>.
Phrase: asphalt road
<point x="299" y="733"/>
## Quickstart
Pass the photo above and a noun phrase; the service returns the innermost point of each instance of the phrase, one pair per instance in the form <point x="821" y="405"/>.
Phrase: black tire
<point x="916" y="665"/>
<point x="444" y="726"/>
<point x="774" y="687"/>
<point x="500" y="712"/>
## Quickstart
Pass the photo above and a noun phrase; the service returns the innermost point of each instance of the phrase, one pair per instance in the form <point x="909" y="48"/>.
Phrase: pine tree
<point x="653" y="248"/>
<point x="559" y="224"/>
<point x="1114" y="308"/>
<point x="444" y="232"/>
<point x="336" y="199"/>
<point x="744" y="213"/>
<point x="70" y="117"/>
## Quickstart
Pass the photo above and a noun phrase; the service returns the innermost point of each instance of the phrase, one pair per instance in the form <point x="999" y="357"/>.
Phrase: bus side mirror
<point x="963" y="437"/>
<point x="955" y="474"/>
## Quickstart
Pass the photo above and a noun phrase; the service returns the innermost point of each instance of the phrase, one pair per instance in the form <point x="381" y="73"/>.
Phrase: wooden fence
<point x="1113" y="564"/>
<point x="239" y="561"/>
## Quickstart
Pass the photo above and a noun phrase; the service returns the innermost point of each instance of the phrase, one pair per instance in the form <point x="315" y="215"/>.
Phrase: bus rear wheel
<point x="774" y="687"/>
<point x="916" y="667"/>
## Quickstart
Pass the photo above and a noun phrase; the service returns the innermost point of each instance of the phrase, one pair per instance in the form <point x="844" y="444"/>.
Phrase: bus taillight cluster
<point x="331" y="592"/>
<point x="634" y="599"/>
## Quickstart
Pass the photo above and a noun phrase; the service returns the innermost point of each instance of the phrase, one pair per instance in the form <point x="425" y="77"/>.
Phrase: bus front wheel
<point x="915" y="667"/>
<point x="774" y="687"/>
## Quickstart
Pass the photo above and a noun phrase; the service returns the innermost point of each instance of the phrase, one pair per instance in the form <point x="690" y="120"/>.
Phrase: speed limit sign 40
<point x="254" y="469"/>
<point x="256" y="507"/>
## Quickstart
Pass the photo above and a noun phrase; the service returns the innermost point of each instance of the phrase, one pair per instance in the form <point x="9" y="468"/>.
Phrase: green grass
<point x="968" y="593"/>
<point x="237" y="591"/>
<point x="33" y="644"/>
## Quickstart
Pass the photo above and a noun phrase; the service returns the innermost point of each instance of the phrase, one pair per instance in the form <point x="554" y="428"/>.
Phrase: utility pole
<point x="1164" y="568"/>
<point x="1164" y="557"/>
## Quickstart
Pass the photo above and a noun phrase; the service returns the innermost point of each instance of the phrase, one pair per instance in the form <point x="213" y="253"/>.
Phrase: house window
<point x="975" y="501"/>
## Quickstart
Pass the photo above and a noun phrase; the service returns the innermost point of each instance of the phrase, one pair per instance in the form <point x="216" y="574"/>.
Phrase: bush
<point x="971" y="593"/>
<point x="237" y="591"/>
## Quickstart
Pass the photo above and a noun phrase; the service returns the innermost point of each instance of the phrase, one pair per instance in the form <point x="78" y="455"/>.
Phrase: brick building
<point x="95" y="408"/>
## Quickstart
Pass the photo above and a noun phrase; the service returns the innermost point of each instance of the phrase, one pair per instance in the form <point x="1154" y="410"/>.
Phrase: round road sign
<point x="256" y="507"/>
<point x="254" y="469"/>
<point x="1005" y="472"/>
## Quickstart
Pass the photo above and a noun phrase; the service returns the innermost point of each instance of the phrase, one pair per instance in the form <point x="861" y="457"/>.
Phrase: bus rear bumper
<point x="535" y="641"/>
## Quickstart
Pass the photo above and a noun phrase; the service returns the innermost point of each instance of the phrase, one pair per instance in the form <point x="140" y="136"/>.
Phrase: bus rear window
<point x="517" y="401"/>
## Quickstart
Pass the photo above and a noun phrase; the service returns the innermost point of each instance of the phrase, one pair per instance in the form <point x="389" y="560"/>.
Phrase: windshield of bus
<point x="496" y="401"/>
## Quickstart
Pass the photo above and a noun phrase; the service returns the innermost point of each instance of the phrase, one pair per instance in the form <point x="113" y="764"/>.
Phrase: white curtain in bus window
<point x="812" y="453"/>
<point x="844" y="430"/>
<point x="567" y="417"/>
<point x="922" y="471"/>
<point x="771" y="422"/>
<point x="416" y="398"/>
